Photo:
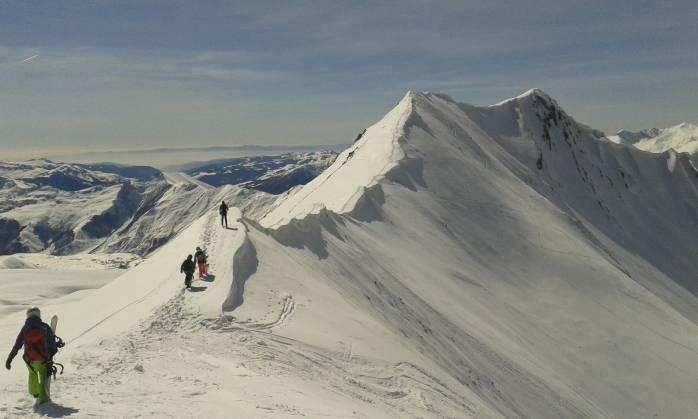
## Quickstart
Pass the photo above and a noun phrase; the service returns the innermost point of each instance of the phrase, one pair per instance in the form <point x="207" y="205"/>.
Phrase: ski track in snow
<point x="153" y="366"/>
<point x="403" y="306"/>
<point x="288" y="307"/>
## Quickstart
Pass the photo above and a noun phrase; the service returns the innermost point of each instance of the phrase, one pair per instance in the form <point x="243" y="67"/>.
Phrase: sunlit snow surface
<point x="456" y="261"/>
<point x="682" y="138"/>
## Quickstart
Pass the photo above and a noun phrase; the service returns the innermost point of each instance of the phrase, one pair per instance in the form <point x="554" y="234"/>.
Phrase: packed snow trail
<point x="456" y="261"/>
<point x="153" y="349"/>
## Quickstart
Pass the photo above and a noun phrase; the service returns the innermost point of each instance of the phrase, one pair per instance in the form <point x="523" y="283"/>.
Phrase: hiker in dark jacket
<point x="223" y="211"/>
<point x="39" y="348"/>
<point x="188" y="268"/>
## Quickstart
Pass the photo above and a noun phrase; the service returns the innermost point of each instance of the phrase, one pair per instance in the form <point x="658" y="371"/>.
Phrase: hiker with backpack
<point x="188" y="268"/>
<point x="40" y="345"/>
<point x="200" y="258"/>
<point x="223" y="211"/>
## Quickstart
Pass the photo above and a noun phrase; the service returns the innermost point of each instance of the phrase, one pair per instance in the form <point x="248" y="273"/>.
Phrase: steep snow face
<point x="456" y="261"/>
<point x="361" y="165"/>
<point x="682" y="138"/>
<point x="534" y="268"/>
<point x="182" y="204"/>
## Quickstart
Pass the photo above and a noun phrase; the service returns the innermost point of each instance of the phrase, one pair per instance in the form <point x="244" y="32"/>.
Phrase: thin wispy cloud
<point x="26" y="60"/>
<point x="163" y="72"/>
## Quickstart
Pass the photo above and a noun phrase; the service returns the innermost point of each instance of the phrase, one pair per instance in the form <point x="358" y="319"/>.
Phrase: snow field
<point x="454" y="262"/>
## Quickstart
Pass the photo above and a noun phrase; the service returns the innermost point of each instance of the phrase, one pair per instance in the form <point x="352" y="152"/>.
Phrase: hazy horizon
<point x="109" y="76"/>
<point x="167" y="159"/>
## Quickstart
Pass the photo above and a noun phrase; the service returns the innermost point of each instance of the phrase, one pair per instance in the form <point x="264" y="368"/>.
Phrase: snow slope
<point x="24" y="287"/>
<point x="185" y="201"/>
<point x="456" y="261"/>
<point x="544" y="271"/>
<point x="62" y="208"/>
<point x="682" y="138"/>
<point x="140" y="346"/>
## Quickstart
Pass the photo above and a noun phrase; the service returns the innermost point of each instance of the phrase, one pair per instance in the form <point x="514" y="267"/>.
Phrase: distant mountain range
<point x="272" y="174"/>
<point x="176" y="159"/>
<point x="682" y="138"/>
<point x="64" y="208"/>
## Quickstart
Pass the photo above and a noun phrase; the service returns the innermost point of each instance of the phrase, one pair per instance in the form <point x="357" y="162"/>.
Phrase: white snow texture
<point x="456" y="261"/>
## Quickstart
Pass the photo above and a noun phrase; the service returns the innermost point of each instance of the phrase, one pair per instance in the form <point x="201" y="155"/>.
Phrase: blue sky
<point x="116" y="75"/>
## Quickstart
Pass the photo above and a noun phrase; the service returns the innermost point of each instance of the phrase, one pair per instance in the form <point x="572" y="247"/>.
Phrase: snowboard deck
<point x="54" y="323"/>
<point x="47" y="385"/>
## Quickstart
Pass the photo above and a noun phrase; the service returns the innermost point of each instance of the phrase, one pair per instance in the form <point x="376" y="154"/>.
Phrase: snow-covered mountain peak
<point x="455" y="261"/>
<point x="682" y="138"/>
<point x="632" y="137"/>
<point x="527" y="95"/>
<point x="496" y="220"/>
<point x="357" y="168"/>
<point x="531" y="118"/>
<point x="684" y="127"/>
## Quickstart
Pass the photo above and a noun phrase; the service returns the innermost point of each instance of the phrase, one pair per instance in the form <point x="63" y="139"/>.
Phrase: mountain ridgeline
<point x="64" y="208"/>
<point x="455" y="261"/>
<point x="682" y="137"/>
<point x="271" y="174"/>
<point x="519" y="252"/>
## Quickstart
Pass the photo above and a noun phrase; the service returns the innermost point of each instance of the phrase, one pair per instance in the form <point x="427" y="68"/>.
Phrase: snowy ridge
<point x="362" y="164"/>
<point x="682" y="138"/>
<point x="456" y="261"/>
<point x="61" y="208"/>
<point x="527" y="93"/>
<point x="271" y="174"/>
<point x="451" y="185"/>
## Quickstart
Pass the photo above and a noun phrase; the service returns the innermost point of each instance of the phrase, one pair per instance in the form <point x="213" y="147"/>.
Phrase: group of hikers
<point x="199" y="258"/>
<point x="189" y="266"/>
<point x="41" y="344"/>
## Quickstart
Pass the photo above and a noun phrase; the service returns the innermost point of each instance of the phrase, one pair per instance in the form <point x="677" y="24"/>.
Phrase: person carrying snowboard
<point x="40" y="346"/>
<point x="223" y="211"/>
<point x="188" y="268"/>
<point x="200" y="258"/>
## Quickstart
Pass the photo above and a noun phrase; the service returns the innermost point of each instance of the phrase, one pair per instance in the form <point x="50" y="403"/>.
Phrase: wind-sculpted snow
<point x="244" y="266"/>
<point x="543" y="271"/>
<point x="361" y="166"/>
<point x="456" y="261"/>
